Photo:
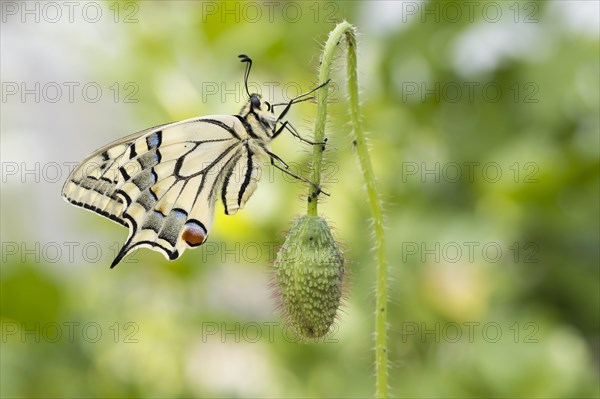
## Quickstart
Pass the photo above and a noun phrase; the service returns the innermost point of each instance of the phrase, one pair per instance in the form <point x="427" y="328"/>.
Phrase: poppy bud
<point x="309" y="271"/>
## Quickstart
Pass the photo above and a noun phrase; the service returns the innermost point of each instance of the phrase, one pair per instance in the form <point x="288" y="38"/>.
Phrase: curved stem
<point x="347" y="31"/>
<point x="324" y="71"/>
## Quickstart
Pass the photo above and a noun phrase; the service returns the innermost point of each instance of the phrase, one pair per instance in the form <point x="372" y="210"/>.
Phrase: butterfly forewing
<point x="91" y="185"/>
<point x="241" y="178"/>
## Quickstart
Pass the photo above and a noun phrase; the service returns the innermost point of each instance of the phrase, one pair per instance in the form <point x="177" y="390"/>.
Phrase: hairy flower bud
<point x="309" y="271"/>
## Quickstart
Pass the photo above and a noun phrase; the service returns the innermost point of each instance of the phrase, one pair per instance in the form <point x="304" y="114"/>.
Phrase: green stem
<point x="324" y="71"/>
<point x="347" y="31"/>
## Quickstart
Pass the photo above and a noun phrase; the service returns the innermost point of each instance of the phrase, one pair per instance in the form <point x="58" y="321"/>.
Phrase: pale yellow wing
<point x="162" y="182"/>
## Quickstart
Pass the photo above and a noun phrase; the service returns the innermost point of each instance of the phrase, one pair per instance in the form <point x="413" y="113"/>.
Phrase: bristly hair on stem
<point x="346" y="31"/>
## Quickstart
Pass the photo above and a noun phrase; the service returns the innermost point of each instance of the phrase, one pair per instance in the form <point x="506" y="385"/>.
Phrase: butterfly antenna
<point x="248" y="61"/>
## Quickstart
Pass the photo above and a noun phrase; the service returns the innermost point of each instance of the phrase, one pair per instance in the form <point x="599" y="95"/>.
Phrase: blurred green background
<point x="483" y="119"/>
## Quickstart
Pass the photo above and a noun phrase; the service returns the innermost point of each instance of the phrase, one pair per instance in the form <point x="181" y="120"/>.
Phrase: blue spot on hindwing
<point x="179" y="213"/>
<point x="154" y="139"/>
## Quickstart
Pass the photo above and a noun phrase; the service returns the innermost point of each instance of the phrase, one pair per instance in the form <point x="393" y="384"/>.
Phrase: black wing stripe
<point x="200" y="188"/>
<point x="179" y="163"/>
<point x="98" y="211"/>
<point x="247" y="126"/>
<point x="222" y="125"/>
<point x="230" y="167"/>
<point x="147" y="199"/>
<point x="124" y="173"/>
<point x="247" y="177"/>
<point x="125" y="196"/>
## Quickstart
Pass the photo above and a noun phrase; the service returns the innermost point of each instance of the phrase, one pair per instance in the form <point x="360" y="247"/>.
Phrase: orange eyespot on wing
<point x="194" y="233"/>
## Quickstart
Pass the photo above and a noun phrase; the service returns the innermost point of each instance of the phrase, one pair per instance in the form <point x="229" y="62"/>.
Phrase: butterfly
<point x="163" y="182"/>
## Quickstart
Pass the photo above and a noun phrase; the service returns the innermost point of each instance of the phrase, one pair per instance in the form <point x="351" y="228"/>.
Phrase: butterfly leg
<point x="287" y="125"/>
<point x="285" y="169"/>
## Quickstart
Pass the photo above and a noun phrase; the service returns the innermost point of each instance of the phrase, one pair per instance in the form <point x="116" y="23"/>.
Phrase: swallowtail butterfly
<point x="162" y="183"/>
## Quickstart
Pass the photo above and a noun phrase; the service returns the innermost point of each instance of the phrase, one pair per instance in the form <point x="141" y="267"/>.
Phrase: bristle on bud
<point x="309" y="272"/>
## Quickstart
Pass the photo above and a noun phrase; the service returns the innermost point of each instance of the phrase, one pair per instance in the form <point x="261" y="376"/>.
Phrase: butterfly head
<point x="259" y="109"/>
<point x="256" y="108"/>
<point x="258" y="105"/>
